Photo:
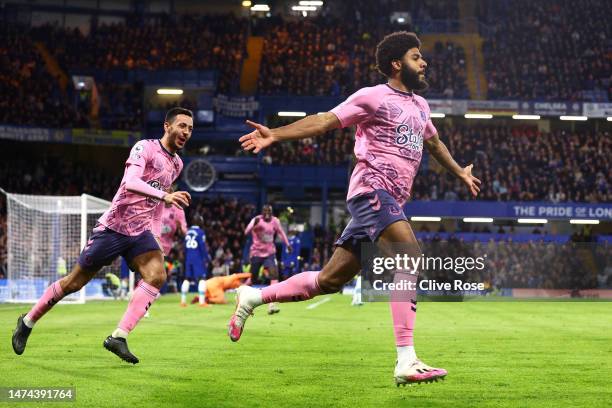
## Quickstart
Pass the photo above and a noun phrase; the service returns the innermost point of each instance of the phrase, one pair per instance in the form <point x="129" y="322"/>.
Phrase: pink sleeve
<point x="358" y="107"/>
<point x="139" y="154"/>
<point x="135" y="184"/>
<point x="430" y="129"/>
<point x="182" y="220"/>
<point x="279" y="230"/>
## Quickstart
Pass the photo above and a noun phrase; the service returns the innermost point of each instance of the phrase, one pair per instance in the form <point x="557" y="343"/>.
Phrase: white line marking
<point x="319" y="303"/>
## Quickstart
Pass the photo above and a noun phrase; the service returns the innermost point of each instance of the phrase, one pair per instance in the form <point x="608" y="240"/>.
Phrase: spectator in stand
<point x="546" y="51"/>
<point x="522" y="163"/>
<point x="29" y="96"/>
<point x="322" y="56"/>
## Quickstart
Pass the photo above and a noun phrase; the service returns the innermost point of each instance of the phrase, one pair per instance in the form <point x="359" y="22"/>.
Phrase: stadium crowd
<point x="29" y="95"/>
<point x="52" y="175"/>
<point x="321" y="57"/>
<point x="523" y="164"/>
<point x="525" y="51"/>
<point x="516" y="163"/>
<point x="183" y="42"/>
<point x="332" y="149"/>
<point x="522" y="265"/>
<point x="546" y="51"/>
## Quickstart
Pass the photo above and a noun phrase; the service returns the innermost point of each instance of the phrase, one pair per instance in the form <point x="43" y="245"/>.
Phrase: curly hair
<point x="393" y="47"/>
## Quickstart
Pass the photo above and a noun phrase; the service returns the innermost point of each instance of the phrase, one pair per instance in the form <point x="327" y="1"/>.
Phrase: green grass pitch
<point x="498" y="354"/>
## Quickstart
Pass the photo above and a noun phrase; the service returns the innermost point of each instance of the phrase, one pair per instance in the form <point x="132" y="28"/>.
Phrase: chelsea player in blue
<point x="290" y="260"/>
<point x="196" y="260"/>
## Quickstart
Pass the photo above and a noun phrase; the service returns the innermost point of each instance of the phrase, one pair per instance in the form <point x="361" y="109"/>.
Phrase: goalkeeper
<point x="216" y="287"/>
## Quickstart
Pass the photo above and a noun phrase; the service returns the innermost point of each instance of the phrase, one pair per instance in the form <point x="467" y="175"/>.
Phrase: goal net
<point x="45" y="237"/>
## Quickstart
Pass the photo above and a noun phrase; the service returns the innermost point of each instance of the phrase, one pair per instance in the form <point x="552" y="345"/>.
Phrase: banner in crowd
<point x="236" y="106"/>
<point x="551" y="108"/>
<point x="75" y="136"/>
<point x="503" y="108"/>
<point x="105" y="137"/>
<point x="511" y="209"/>
<point x="597" y="110"/>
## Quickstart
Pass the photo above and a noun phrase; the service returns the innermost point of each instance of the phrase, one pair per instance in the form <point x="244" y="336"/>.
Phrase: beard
<point x="411" y="80"/>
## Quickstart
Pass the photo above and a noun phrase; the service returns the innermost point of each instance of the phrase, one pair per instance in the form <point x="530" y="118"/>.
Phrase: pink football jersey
<point x="391" y="128"/>
<point x="131" y="213"/>
<point x="173" y="219"/>
<point x="263" y="236"/>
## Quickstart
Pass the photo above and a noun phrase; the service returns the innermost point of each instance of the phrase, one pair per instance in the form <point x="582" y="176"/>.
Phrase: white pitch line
<point x="319" y="303"/>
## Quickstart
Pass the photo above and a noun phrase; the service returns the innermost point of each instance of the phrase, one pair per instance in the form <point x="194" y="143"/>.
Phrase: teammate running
<point x="263" y="250"/>
<point x="392" y="125"/>
<point x="290" y="258"/>
<point x="130" y="228"/>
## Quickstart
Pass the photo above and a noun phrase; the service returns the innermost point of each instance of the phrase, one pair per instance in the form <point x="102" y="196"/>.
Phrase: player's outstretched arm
<point x="310" y="126"/>
<point x="440" y="152"/>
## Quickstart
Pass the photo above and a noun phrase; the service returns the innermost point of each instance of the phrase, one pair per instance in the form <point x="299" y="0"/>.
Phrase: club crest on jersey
<point x="137" y="150"/>
<point x="408" y="137"/>
<point x="423" y="116"/>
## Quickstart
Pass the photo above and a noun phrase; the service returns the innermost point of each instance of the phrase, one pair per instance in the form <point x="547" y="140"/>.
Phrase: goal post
<point x="44" y="239"/>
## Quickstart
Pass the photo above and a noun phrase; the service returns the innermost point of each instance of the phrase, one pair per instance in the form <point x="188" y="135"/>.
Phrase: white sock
<point x="357" y="292"/>
<point x="184" y="289"/>
<point x="29" y="323"/>
<point x="405" y="355"/>
<point x="201" y="291"/>
<point x="256" y="300"/>
<point x="120" y="333"/>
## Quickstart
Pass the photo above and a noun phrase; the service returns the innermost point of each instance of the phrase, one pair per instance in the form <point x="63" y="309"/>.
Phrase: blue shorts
<point x="370" y="213"/>
<point x="194" y="271"/>
<point x="105" y="245"/>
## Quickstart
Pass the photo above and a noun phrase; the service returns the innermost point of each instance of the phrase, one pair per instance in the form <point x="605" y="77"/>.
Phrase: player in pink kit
<point x="393" y="124"/>
<point x="130" y="228"/>
<point x="173" y="221"/>
<point x="263" y="251"/>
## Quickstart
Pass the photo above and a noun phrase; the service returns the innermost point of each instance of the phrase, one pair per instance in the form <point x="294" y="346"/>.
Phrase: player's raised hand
<point x="472" y="183"/>
<point x="258" y="139"/>
<point x="179" y="199"/>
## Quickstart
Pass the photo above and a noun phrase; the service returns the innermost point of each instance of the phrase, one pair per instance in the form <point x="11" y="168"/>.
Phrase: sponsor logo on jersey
<point x="409" y="136"/>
